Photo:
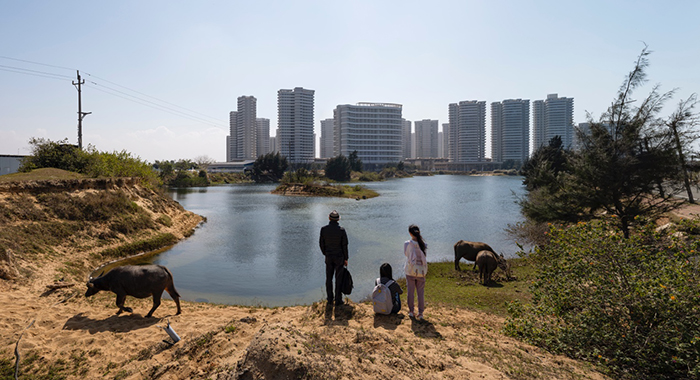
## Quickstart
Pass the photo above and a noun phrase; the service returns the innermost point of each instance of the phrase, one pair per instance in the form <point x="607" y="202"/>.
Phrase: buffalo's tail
<point x="171" y="284"/>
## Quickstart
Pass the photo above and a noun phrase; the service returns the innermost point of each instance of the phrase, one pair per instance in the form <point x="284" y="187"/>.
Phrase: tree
<point x="623" y="167"/>
<point x="203" y="162"/>
<point x="269" y="167"/>
<point x="545" y="165"/>
<point x="355" y="162"/>
<point x="627" y="157"/>
<point x="55" y="154"/>
<point x="338" y="168"/>
<point x="682" y="125"/>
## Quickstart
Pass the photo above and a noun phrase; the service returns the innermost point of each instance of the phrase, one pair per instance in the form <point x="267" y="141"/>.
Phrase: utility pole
<point x="81" y="114"/>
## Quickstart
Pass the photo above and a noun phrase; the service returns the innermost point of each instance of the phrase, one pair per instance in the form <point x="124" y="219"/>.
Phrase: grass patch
<point x="446" y="286"/>
<point x="40" y="175"/>
<point x="160" y="241"/>
<point x="165" y="220"/>
<point x="357" y="192"/>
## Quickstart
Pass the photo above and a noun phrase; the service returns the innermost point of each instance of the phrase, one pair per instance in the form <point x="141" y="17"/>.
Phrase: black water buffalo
<point x="468" y="250"/>
<point x="138" y="281"/>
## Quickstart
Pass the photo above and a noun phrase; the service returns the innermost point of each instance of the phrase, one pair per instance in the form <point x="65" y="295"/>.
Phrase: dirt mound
<point x="276" y="352"/>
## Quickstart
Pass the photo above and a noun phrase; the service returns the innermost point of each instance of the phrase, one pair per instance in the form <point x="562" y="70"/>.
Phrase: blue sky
<point x="199" y="57"/>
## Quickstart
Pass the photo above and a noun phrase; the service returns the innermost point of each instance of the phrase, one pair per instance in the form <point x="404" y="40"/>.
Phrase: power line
<point x="33" y="72"/>
<point x="175" y="109"/>
<point x="37" y="63"/>
<point x="153" y="97"/>
<point x="153" y="105"/>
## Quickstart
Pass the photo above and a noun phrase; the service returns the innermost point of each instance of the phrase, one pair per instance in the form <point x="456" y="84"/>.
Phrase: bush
<point x="631" y="305"/>
<point x="62" y="155"/>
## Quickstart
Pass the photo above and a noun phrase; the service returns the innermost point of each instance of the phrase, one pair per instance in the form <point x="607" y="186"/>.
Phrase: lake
<point x="258" y="248"/>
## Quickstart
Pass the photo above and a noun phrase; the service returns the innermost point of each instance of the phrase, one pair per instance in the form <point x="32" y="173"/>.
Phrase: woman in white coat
<point x="416" y="268"/>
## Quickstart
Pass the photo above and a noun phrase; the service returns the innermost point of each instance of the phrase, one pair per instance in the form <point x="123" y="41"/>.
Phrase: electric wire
<point x="148" y="103"/>
<point x="33" y="72"/>
<point x="36" y="63"/>
<point x="174" y="110"/>
<point x="153" y="97"/>
<point x="154" y="106"/>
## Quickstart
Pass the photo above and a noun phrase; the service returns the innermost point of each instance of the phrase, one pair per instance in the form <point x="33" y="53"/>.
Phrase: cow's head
<point x="91" y="288"/>
<point x="504" y="265"/>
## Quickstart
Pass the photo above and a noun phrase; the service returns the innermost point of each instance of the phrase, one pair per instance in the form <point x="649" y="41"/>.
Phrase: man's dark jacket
<point x="334" y="240"/>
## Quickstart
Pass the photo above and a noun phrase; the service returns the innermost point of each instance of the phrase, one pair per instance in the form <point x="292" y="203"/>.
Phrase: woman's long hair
<point x="415" y="231"/>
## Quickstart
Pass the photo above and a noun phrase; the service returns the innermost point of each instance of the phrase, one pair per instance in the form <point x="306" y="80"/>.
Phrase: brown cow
<point x="487" y="262"/>
<point x="468" y="250"/>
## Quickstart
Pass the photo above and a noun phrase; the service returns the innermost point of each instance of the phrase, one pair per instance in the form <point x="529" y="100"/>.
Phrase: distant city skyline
<point x="161" y="78"/>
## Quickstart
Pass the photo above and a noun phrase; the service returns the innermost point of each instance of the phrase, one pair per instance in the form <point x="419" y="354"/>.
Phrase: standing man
<point x="334" y="245"/>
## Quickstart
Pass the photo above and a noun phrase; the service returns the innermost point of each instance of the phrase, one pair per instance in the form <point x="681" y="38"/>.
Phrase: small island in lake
<point x="324" y="190"/>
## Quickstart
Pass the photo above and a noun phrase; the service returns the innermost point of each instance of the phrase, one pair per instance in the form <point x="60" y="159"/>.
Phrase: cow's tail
<point x="171" y="283"/>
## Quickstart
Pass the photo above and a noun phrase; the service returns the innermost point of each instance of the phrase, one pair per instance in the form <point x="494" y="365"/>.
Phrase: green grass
<point x="146" y="245"/>
<point x="446" y="286"/>
<point x="40" y="175"/>
<point x="357" y="192"/>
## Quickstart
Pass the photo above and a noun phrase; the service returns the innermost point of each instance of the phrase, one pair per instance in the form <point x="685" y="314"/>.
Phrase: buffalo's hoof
<point x="128" y="310"/>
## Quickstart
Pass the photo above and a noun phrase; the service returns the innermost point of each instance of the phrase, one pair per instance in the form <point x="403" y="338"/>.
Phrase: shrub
<point x="62" y="155"/>
<point x="629" y="304"/>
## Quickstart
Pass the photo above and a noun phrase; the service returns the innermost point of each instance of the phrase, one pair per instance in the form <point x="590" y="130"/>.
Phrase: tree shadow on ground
<point x="114" y="323"/>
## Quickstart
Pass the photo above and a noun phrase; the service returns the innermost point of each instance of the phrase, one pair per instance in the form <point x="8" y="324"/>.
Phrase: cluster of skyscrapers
<point x="380" y="135"/>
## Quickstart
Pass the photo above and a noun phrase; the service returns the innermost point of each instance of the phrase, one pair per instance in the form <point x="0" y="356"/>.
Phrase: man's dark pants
<point x="334" y="265"/>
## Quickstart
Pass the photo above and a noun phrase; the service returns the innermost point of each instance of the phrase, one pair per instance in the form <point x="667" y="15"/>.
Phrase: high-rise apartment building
<point x="445" y="140"/>
<point x="327" y="138"/>
<point x="407" y="138"/>
<point x="262" y="136"/>
<point x="242" y="141"/>
<point x="510" y="130"/>
<point x="426" y="138"/>
<point x="273" y="145"/>
<point x="553" y="117"/>
<point x="374" y="130"/>
<point x="467" y="131"/>
<point x="231" y="147"/>
<point x="295" y="124"/>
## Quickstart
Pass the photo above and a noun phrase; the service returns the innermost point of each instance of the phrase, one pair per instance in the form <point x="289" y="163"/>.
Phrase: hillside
<point x="55" y="231"/>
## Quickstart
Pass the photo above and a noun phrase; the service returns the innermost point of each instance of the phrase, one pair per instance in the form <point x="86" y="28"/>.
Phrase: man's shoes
<point x="410" y="314"/>
<point x="420" y="317"/>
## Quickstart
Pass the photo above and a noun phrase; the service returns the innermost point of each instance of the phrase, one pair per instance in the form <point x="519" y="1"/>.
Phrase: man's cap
<point x="334" y="215"/>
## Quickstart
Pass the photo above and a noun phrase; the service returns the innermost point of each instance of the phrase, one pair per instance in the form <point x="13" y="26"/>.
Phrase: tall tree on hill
<point x="547" y="178"/>
<point x="681" y="125"/>
<point x="627" y="164"/>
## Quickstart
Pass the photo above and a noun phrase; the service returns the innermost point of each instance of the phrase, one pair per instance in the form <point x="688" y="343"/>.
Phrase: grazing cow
<point x="468" y="250"/>
<point x="138" y="281"/>
<point x="487" y="262"/>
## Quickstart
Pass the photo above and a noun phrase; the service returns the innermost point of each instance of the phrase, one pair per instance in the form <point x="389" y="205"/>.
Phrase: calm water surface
<point x="262" y="249"/>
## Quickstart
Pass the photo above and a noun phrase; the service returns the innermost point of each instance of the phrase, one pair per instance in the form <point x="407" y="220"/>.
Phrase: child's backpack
<point x="381" y="297"/>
